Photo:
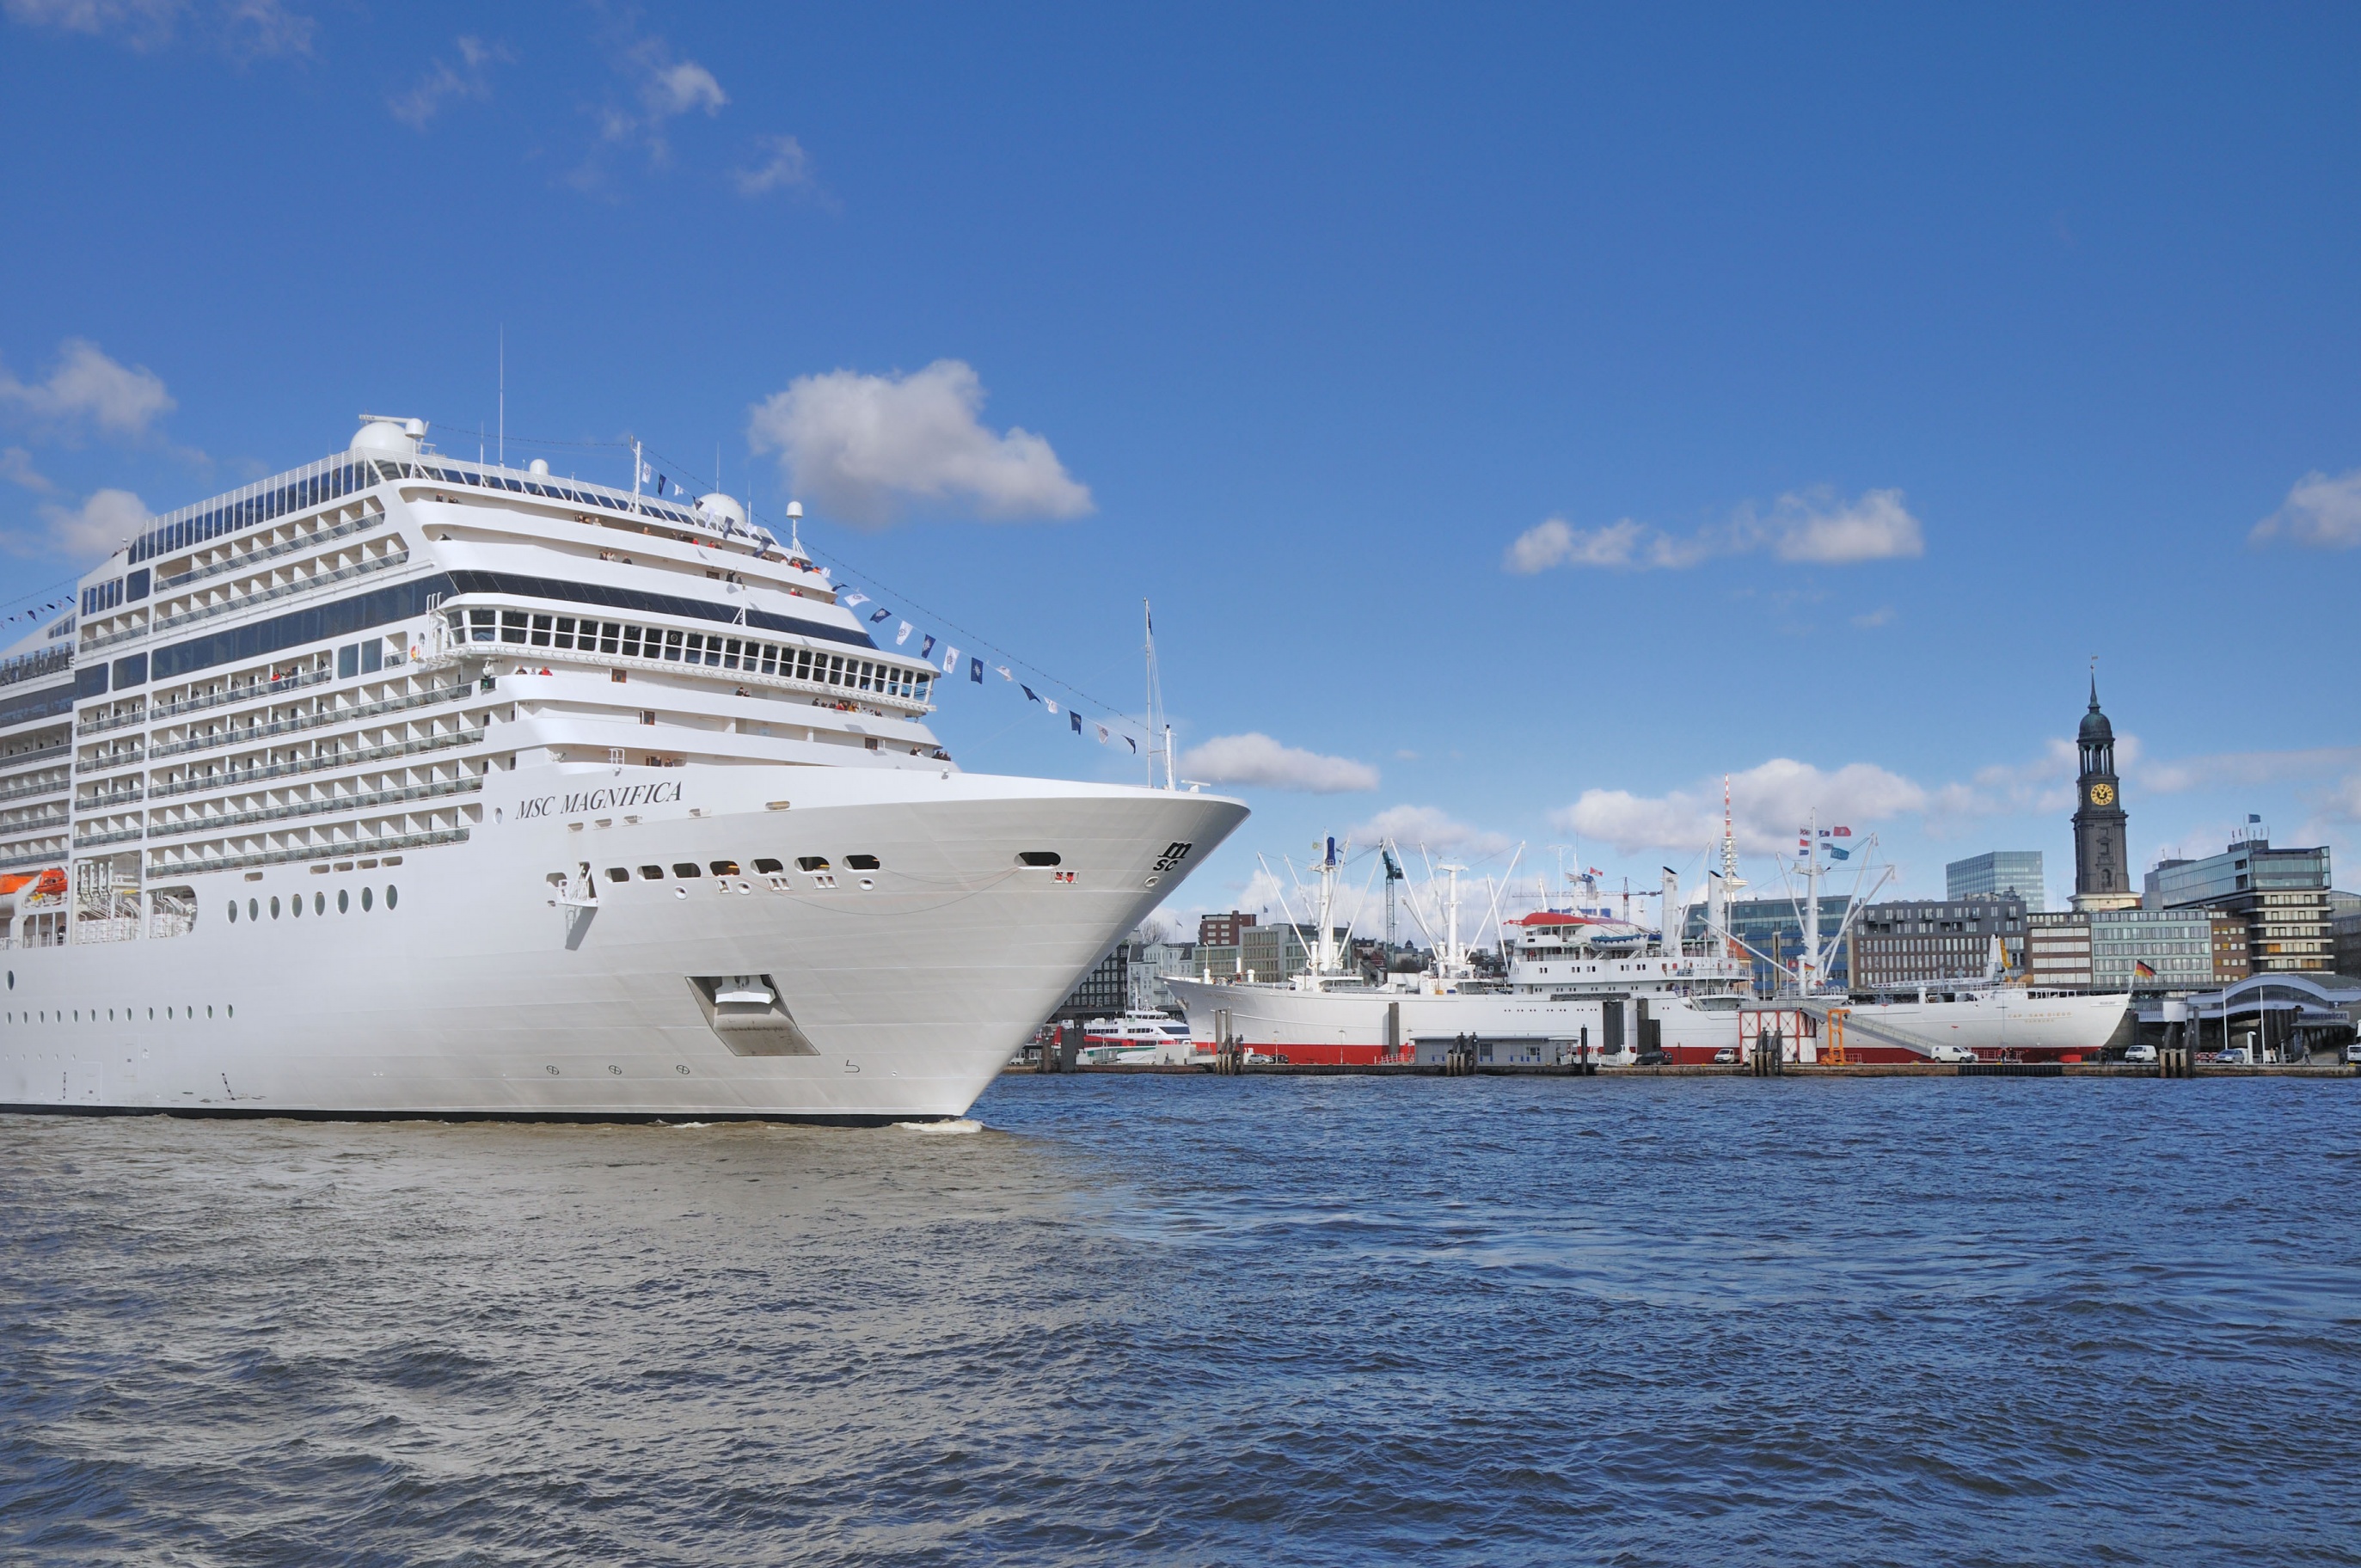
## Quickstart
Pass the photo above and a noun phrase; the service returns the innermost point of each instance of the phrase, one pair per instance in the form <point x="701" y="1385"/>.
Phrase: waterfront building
<point x="1773" y="929"/>
<point x="2344" y="932"/>
<point x="1911" y="941"/>
<point x="2016" y="873"/>
<point x="1222" y="930"/>
<point x="2282" y="894"/>
<point x="2102" y="866"/>
<point x="2058" y="950"/>
<point x="2143" y="950"/>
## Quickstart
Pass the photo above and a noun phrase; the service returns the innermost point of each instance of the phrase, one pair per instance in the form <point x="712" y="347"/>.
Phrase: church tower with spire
<point x="2102" y="868"/>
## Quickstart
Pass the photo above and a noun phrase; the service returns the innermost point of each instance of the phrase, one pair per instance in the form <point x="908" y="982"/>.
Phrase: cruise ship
<point x="400" y="785"/>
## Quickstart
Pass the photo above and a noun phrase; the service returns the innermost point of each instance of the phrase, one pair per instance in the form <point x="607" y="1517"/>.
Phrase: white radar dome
<point x="539" y="467"/>
<point x="389" y="437"/>
<point x="722" y="509"/>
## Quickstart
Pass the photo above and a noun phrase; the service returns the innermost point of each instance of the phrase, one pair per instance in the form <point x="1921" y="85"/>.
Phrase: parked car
<point x="2146" y="1053"/>
<point x="1954" y="1053"/>
<point x="1728" y="1055"/>
<point x="2353" y="1054"/>
<point x="1653" y="1057"/>
<point x="2236" y="1056"/>
<point x="1256" y="1058"/>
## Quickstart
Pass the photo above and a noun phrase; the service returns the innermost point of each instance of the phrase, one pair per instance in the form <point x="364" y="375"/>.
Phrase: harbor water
<point x="1191" y="1319"/>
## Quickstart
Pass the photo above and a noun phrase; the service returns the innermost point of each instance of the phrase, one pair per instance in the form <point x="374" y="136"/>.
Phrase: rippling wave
<point x="1204" y="1320"/>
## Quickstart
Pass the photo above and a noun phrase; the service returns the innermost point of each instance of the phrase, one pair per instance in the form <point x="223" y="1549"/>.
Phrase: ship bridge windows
<point x="710" y="651"/>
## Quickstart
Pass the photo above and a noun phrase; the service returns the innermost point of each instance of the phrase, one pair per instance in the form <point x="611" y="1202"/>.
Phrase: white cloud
<point x="2320" y="511"/>
<point x="445" y="82"/>
<point x="17" y="466"/>
<point x="1624" y="543"/>
<point x="1818" y="526"/>
<point x="786" y="168"/>
<point x="97" y="527"/>
<point x="1870" y="621"/>
<point x="1814" y="527"/>
<point x="861" y="444"/>
<point x="666" y="88"/>
<point x="87" y="386"/>
<point x="2343" y="802"/>
<point x="1255" y="758"/>
<point x="2248" y="768"/>
<point x="1767" y="804"/>
<point x="1415" y="826"/>
<point x="240" y="27"/>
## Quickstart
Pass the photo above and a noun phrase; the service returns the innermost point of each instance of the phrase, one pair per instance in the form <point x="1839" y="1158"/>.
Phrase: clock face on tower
<point x="2102" y="795"/>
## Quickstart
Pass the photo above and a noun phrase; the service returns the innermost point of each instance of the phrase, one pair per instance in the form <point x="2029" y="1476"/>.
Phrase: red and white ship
<point x="1582" y="987"/>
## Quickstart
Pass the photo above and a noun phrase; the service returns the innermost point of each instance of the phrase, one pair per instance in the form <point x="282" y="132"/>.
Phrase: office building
<point x="1771" y="930"/>
<point x="2015" y="873"/>
<point x="2345" y="933"/>
<point x="1222" y="930"/>
<point x="2282" y="895"/>
<point x="1910" y="941"/>
<point x="2147" y="950"/>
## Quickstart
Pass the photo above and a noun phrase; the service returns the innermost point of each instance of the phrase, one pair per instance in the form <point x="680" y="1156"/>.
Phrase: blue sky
<point x="1519" y="418"/>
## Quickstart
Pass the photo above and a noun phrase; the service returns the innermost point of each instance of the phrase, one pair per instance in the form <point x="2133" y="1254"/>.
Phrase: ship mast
<point x="1157" y="736"/>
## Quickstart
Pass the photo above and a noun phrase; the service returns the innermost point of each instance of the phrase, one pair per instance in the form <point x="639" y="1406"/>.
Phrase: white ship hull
<point x="1368" y="1025"/>
<point x="471" y="987"/>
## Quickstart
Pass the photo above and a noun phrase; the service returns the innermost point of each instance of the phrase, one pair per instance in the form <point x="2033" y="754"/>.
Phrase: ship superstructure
<point x="473" y="789"/>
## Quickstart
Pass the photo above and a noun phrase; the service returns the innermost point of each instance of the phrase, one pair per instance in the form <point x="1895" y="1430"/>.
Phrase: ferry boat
<point x="1138" y="1039"/>
<point x="400" y="785"/>
<point x="1584" y="987"/>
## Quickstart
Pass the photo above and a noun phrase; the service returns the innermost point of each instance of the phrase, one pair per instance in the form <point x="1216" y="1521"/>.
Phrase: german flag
<point x="2143" y="972"/>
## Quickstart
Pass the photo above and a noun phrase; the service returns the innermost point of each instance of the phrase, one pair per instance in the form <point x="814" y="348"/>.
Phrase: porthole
<point x="344" y="900"/>
<point x="274" y="907"/>
<point x="393" y="895"/>
<point x="319" y="904"/>
<point x="614" y="873"/>
<point x="725" y="868"/>
<point x="680" y="893"/>
<point x="295" y="906"/>
<point x="232" y="911"/>
<point x="686" y="869"/>
<point x="253" y="910"/>
<point x="868" y="881"/>
<point x="209" y="1009"/>
<point x="12" y="980"/>
<point x="652" y="873"/>
<point x="233" y="1009"/>
<point x="367" y="898"/>
<point x="1037" y="857"/>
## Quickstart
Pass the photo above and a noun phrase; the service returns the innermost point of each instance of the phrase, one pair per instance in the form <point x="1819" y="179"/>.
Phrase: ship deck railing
<point x="321" y="763"/>
<point x="268" y="596"/>
<point x="270" y="553"/>
<point x="235" y="736"/>
<point x="329" y="807"/>
<point x="390" y="842"/>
